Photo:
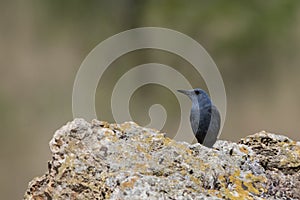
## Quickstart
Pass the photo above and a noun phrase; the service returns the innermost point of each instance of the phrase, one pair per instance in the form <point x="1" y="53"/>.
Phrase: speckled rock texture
<point x="99" y="160"/>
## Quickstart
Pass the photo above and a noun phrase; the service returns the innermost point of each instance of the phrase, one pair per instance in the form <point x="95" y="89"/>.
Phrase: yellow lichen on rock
<point x="99" y="160"/>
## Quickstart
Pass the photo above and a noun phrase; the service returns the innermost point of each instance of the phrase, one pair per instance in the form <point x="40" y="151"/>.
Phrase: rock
<point x="99" y="160"/>
<point x="280" y="157"/>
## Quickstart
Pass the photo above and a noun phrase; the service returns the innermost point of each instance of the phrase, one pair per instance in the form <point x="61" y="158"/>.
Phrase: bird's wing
<point x="195" y="118"/>
<point x="214" y="127"/>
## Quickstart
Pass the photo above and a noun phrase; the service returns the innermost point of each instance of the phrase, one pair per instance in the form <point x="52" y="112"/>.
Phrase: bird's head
<point x="195" y="94"/>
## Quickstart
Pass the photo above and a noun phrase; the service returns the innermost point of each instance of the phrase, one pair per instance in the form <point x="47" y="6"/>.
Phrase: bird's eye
<point x="197" y="92"/>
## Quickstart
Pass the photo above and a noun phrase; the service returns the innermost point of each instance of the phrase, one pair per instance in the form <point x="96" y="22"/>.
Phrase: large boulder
<point x="99" y="160"/>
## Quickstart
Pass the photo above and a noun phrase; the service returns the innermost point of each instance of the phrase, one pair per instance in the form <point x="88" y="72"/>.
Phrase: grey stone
<point x="99" y="160"/>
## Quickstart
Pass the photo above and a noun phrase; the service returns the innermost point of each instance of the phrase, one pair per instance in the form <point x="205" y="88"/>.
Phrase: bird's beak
<point x="186" y="92"/>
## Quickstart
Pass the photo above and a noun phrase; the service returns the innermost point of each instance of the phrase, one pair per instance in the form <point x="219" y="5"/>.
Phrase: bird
<point x="204" y="117"/>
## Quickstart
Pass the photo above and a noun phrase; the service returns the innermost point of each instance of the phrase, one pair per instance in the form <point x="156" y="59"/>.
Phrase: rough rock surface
<point x="98" y="160"/>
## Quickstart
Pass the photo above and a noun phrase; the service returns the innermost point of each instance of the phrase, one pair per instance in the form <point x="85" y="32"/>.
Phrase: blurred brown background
<point x="255" y="44"/>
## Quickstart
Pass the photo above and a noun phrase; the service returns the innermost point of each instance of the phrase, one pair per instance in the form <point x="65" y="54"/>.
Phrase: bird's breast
<point x="200" y="118"/>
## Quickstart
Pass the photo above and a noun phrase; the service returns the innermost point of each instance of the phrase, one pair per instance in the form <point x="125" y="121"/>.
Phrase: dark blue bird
<point x="205" y="117"/>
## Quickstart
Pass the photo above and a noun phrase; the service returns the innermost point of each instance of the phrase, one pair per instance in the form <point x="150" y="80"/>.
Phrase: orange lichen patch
<point x="294" y="143"/>
<point x="140" y="148"/>
<point x="147" y="140"/>
<point x="73" y="145"/>
<point x="195" y="180"/>
<point x="256" y="184"/>
<point x="183" y="172"/>
<point x="68" y="163"/>
<point x="129" y="183"/>
<point x="168" y="141"/>
<point x="154" y="141"/>
<point x="203" y="166"/>
<point x="113" y="139"/>
<point x="190" y="161"/>
<point x="160" y="136"/>
<point x="291" y="156"/>
<point x="216" y="193"/>
<point x="38" y="197"/>
<point x="148" y="156"/>
<point x="233" y="187"/>
<point x="141" y="167"/>
<point x="244" y="150"/>
<point x="296" y="149"/>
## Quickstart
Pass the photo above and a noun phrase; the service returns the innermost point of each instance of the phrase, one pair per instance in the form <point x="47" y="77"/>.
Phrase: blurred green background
<point x="255" y="44"/>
